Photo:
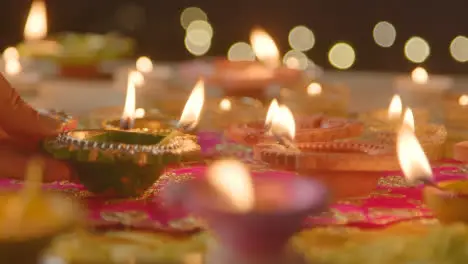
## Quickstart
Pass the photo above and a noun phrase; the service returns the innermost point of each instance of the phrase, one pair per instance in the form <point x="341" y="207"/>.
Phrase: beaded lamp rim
<point x="178" y="144"/>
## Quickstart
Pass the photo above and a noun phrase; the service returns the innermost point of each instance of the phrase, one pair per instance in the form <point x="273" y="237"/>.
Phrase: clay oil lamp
<point x="309" y="129"/>
<point x="31" y="218"/>
<point x="328" y="99"/>
<point x="448" y="200"/>
<point x="251" y="217"/>
<point x="431" y="136"/>
<point x="125" y="162"/>
<point x="390" y="119"/>
<point x="74" y="55"/>
<point x="336" y="163"/>
<point x="260" y="79"/>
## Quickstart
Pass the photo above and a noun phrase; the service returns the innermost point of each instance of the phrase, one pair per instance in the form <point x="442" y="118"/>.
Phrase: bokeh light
<point x="295" y="59"/>
<point x="196" y="49"/>
<point x="191" y="14"/>
<point x="384" y="34"/>
<point x="241" y="51"/>
<point x="10" y="53"/>
<point x="199" y="32"/>
<point x="342" y="56"/>
<point x="144" y="64"/>
<point x="463" y="100"/>
<point x="301" y="38"/>
<point x="417" y="49"/>
<point x="459" y="48"/>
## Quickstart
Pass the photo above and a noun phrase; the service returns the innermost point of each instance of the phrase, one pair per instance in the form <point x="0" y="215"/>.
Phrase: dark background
<point x="156" y="25"/>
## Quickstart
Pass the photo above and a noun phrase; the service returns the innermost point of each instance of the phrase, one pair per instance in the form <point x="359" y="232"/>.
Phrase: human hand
<point x="21" y="130"/>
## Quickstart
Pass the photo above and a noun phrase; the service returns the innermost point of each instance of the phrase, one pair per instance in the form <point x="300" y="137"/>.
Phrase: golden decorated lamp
<point x="448" y="200"/>
<point x="31" y="218"/>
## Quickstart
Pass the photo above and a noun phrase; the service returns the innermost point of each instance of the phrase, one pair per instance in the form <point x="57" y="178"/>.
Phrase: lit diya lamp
<point x="126" y="162"/>
<point x="336" y="163"/>
<point x="331" y="100"/>
<point x="431" y="136"/>
<point x="259" y="79"/>
<point x="421" y="90"/>
<point x="252" y="218"/>
<point x="448" y="200"/>
<point x="25" y="82"/>
<point x="309" y="128"/>
<point x="31" y="218"/>
<point x="75" y="55"/>
<point x="390" y="119"/>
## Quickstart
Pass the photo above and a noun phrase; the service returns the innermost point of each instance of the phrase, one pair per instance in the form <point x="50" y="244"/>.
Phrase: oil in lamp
<point x="336" y="163"/>
<point x="314" y="128"/>
<point x="252" y="217"/>
<point x="448" y="200"/>
<point x="126" y="161"/>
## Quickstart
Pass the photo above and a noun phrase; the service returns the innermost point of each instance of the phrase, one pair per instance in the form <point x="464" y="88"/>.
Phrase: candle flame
<point x="395" y="108"/>
<point x="225" y="104"/>
<point x="314" y="89"/>
<point x="144" y="64"/>
<point x="130" y="100"/>
<point x="192" y="110"/>
<point x="420" y="75"/>
<point x="265" y="48"/>
<point x="36" y="23"/>
<point x="408" y="119"/>
<point x="272" y="109"/>
<point x="413" y="161"/>
<point x="283" y="123"/>
<point x="463" y="100"/>
<point x="232" y="179"/>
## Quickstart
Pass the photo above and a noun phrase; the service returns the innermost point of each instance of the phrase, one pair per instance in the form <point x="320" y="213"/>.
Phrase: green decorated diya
<point x="122" y="163"/>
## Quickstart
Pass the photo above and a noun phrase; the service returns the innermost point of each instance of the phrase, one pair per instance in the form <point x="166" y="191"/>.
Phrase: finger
<point x="14" y="160"/>
<point x="18" y="119"/>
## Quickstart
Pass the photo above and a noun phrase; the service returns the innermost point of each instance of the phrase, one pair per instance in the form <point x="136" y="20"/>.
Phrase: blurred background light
<point x="341" y="56"/>
<point x="384" y="34"/>
<point x="417" y="49"/>
<point x="241" y="51"/>
<point x="195" y="49"/>
<point x="459" y="48"/>
<point x="301" y="38"/>
<point x="191" y="14"/>
<point x="295" y="59"/>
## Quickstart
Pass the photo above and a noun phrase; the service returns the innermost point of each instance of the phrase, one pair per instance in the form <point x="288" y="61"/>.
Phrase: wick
<point x="126" y="123"/>
<point x="287" y="142"/>
<point x="185" y="127"/>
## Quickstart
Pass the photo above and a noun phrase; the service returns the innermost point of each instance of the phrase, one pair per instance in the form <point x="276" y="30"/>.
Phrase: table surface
<point x="83" y="96"/>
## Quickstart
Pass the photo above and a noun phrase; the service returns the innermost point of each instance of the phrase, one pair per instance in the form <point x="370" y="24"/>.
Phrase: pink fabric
<point x="390" y="203"/>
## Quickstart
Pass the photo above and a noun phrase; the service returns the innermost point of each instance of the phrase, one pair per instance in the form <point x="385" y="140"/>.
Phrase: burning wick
<point x="192" y="110"/>
<point x="283" y="127"/>
<point x="128" y="117"/>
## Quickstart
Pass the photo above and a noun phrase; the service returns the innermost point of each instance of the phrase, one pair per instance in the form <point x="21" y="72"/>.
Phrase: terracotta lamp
<point x="316" y="128"/>
<point x="336" y="163"/>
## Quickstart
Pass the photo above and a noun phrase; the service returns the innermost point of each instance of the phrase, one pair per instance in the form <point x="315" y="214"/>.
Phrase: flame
<point x="395" y="108"/>
<point x="225" y="105"/>
<point x="265" y="48"/>
<point x="36" y="23"/>
<point x="129" y="108"/>
<point x="13" y="67"/>
<point x="192" y="110"/>
<point x="408" y="119"/>
<point x="140" y="113"/>
<point x="283" y="123"/>
<point x="144" y="64"/>
<point x="463" y="100"/>
<point x="413" y="161"/>
<point x="232" y="179"/>
<point x="314" y="89"/>
<point x="420" y="75"/>
<point x="272" y="109"/>
<point x="138" y="78"/>
<point x="10" y="53"/>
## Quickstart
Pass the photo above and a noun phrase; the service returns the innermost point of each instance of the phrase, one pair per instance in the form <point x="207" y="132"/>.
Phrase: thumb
<point x="19" y="119"/>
